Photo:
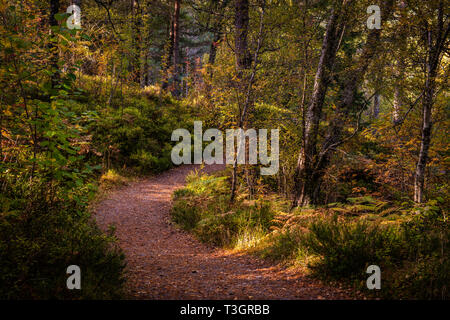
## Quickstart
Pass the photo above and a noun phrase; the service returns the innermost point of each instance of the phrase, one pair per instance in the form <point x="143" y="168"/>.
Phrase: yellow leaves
<point x="7" y="112"/>
<point x="3" y="6"/>
<point x="5" y="133"/>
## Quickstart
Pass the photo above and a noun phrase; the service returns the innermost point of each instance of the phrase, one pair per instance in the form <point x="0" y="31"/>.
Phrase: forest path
<point x="165" y="262"/>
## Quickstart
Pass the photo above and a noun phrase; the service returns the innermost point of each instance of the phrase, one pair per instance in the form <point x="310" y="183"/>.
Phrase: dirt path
<point x="167" y="263"/>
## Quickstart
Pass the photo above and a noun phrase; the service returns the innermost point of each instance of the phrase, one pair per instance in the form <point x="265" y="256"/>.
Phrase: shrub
<point x="137" y="135"/>
<point x="414" y="256"/>
<point x="39" y="239"/>
<point x="280" y="246"/>
<point x="348" y="247"/>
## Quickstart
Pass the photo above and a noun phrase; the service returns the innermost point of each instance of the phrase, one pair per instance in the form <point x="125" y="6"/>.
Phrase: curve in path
<point x="165" y="262"/>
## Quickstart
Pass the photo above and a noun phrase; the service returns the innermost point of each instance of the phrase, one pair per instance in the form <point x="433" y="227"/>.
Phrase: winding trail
<point x="165" y="262"/>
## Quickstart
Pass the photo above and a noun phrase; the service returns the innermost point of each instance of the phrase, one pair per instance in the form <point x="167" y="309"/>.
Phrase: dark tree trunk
<point x="54" y="9"/>
<point x="436" y="39"/>
<point x="243" y="57"/>
<point x="137" y="41"/>
<point x="168" y="56"/>
<point x="176" y="49"/>
<point x="312" y="163"/>
<point x="243" y="63"/>
<point x="213" y="47"/>
<point x="144" y="50"/>
<point x="304" y="179"/>
<point x="218" y="30"/>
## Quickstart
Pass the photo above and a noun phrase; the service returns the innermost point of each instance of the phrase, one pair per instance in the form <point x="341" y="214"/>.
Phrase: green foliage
<point x="137" y="136"/>
<point x="347" y="248"/>
<point x="214" y="220"/>
<point x="412" y="250"/>
<point x="281" y="246"/>
<point x="41" y="236"/>
<point x="112" y="179"/>
<point x="414" y="257"/>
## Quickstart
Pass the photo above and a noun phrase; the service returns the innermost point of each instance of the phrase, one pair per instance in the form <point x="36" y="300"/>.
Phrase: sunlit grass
<point x="112" y="178"/>
<point x="249" y="238"/>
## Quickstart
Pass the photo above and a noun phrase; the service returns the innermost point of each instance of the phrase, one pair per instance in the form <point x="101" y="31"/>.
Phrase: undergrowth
<point x="336" y="242"/>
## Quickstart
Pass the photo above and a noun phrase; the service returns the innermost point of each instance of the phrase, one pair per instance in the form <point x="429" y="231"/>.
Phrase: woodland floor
<point x="165" y="262"/>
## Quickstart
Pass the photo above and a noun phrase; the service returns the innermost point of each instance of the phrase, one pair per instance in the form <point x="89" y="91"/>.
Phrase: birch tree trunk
<point x="312" y="163"/>
<point x="218" y="30"/>
<point x="427" y="124"/>
<point x="303" y="177"/>
<point x="436" y="39"/>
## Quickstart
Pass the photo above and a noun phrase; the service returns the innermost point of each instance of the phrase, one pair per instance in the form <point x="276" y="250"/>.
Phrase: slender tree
<point x="314" y="161"/>
<point x="435" y="39"/>
<point x="54" y="9"/>
<point x="304" y="183"/>
<point x="176" y="48"/>
<point x="243" y="63"/>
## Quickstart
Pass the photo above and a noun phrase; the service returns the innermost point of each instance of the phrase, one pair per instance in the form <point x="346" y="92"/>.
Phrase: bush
<point x="281" y="246"/>
<point x="39" y="239"/>
<point x="185" y="215"/>
<point x="414" y="257"/>
<point x="426" y="272"/>
<point x="347" y="248"/>
<point x="135" y="135"/>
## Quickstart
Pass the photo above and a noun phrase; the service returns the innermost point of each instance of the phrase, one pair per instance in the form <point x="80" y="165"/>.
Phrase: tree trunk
<point x="218" y="30"/>
<point x="436" y="43"/>
<point x="143" y="64"/>
<point x="304" y="180"/>
<point x="168" y="56"/>
<point x="312" y="164"/>
<point x="243" y="57"/>
<point x="176" y="49"/>
<point x="396" y="112"/>
<point x="213" y="47"/>
<point x="398" y="90"/>
<point x="243" y="62"/>
<point x="54" y="9"/>
<point x="426" y="137"/>
<point x="376" y="106"/>
<point x="150" y="79"/>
